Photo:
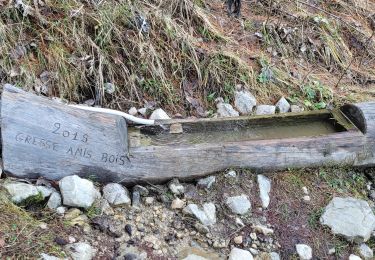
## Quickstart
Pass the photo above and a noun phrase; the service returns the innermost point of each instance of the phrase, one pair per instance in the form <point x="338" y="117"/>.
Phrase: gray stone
<point x="354" y="257"/>
<point x="349" y="217"/>
<point x="105" y="208"/>
<point x="45" y="191"/>
<point x="116" y="194"/>
<point x="78" y="192"/>
<point x="20" y="191"/>
<point x="44" y="256"/>
<point x="54" y="201"/>
<point x="159" y="114"/>
<point x="283" y="105"/>
<point x="175" y="187"/>
<point x="231" y="174"/>
<point x="274" y="256"/>
<point x="225" y="110"/>
<point x="80" y="251"/>
<point x="207" y="215"/>
<point x="133" y="111"/>
<point x="239" y="204"/>
<point x="265" y="110"/>
<point x="177" y="204"/>
<point x="264" y="188"/>
<point x="61" y="210"/>
<point x="296" y="109"/>
<point x="240" y="254"/>
<point x="304" y="251"/>
<point x="244" y="101"/>
<point x="366" y="251"/>
<point x="195" y="257"/>
<point x="109" y="88"/>
<point x="143" y="111"/>
<point x="207" y="182"/>
<point x="263" y="229"/>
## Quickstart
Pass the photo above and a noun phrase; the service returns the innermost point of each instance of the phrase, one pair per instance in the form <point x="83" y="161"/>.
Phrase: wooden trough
<point x="41" y="137"/>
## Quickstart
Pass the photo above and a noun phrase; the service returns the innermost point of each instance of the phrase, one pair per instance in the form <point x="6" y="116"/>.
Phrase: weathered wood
<point x="170" y="155"/>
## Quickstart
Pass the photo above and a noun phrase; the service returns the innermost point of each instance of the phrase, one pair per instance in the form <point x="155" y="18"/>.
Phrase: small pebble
<point x="238" y="240"/>
<point x="128" y="229"/>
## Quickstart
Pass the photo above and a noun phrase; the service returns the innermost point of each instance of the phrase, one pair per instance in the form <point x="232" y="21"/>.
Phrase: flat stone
<point x="116" y="194"/>
<point x="349" y="217"/>
<point x="159" y="114"/>
<point x="283" y="105"/>
<point x="264" y="188"/>
<point x="78" y="192"/>
<point x="244" y="101"/>
<point x="20" y="191"/>
<point x="354" y="257"/>
<point x="226" y="110"/>
<point x="207" y="182"/>
<point x="80" y="251"/>
<point x="44" y="256"/>
<point x="195" y="257"/>
<point x="240" y="254"/>
<point x="206" y="215"/>
<point x="365" y="251"/>
<point x="54" y="201"/>
<point x="296" y="109"/>
<point x="239" y="204"/>
<point x="175" y="187"/>
<point x="304" y="251"/>
<point x="177" y="204"/>
<point x="265" y="110"/>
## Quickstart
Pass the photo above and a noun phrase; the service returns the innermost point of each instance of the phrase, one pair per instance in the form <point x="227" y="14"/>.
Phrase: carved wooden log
<point x="43" y="138"/>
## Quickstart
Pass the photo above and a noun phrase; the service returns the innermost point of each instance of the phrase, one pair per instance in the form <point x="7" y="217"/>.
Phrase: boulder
<point x="78" y="192"/>
<point x="304" y="251"/>
<point x="244" y="101"/>
<point x="20" y="191"/>
<point x="116" y="194"/>
<point x="206" y="215"/>
<point x="80" y="251"/>
<point x="349" y="217"/>
<point x="264" y="188"/>
<point x="265" y="110"/>
<point x="283" y="105"/>
<point x="240" y="254"/>
<point x="159" y="114"/>
<point x="239" y="204"/>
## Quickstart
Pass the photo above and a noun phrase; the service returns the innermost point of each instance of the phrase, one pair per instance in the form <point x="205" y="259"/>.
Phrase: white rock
<point x="231" y="174"/>
<point x="207" y="215"/>
<point x="149" y="200"/>
<point x="80" y="251"/>
<point x="20" y="191"/>
<point x="296" y="109"/>
<point x="239" y="204"/>
<point x="306" y="198"/>
<point x="349" y="217"/>
<point x="194" y="257"/>
<point x="116" y="194"/>
<point x="283" y="105"/>
<point x="44" y="256"/>
<point x="177" y="204"/>
<point x="366" y="251"/>
<point x="54" y="201"/>
<point x="143" y="111"/>
<point x="265" y="110"/>
<point x="207" y="182"/>
<point x="354" y="257"/>
<point x="159" y="114"/>
<point x="133" y="111"/>
<point x="274" y="256"/>
<point x="304" y="251"/>
<point x="78" y="192"/>
<point x="244" y="101"/>
<point x="61" y="210"/>
<point x="226" y="110"/>
<point x="305" y="190"/>
<point x="263" y="229"/>
<point x="331" y="251"/>
<point x="264" y="188"/>
<point x="109" y="87"/>
<point x="240" y="254"/>
<point x="45" y="191"/>
<point x="176" y="187"/>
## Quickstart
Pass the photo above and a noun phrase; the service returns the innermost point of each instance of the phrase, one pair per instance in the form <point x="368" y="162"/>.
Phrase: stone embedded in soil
<point x="225" y="110"/>
<point x="240" y="254"/>
<point x="365" y="251"/>
<point x="206" y="215"/>
<point x="239" y="204"/>
<point x="176" y="187"/>
<point x="296" y="109"/>
<point x="231" y="174"/>
<point x="195" y="257"/>
<point x="20" y="191"/>
<point x="159" y="114"/>
<point x="207" y="182"/>
<point x="44" y="256"/>
<point x="283" y="105"/>
<point x="238" y="240"/>
<point x="263" y="229"/>
<point x="61" y="210"/>
<point x="264" y="189"/>
<point x="78" y="192"/>
<point x="177" y="204"/>
<point x="244" y="101"/>
<point x="116" y="194"/>
<point x="274" y="256"/>
<point x="304" y="251"/>
<point x="354" y="257"/>
<point x="349" y="217"/>
<point x="54" y="201"/>
<point x="80" y="251"/>
<point x="265" y="110"/>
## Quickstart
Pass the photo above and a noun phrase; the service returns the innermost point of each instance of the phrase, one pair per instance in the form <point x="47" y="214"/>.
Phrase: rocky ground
<point x="304" y="214"/>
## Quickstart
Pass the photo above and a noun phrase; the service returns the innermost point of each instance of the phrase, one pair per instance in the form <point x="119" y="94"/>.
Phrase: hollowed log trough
<point x="43" y="138"/>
